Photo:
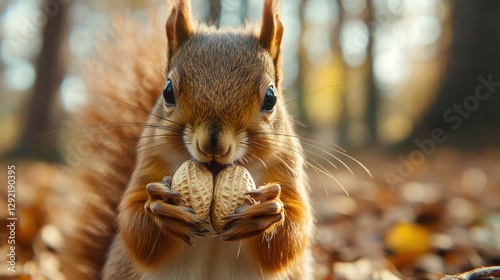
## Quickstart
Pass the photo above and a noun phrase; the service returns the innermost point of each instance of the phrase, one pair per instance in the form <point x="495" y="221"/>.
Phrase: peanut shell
<point x="231" y="185"/>
<point x="195" y="183"/>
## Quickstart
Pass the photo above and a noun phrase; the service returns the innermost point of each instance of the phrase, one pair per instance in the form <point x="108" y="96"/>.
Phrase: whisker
<point x="260" y="160"/>
<point x="309" y="162"/>
<point x="304" y="140"/>
<point x="99" y="128"/>
<point x="139" y="149"/>
<point x="311" y="93"/>
<point x="323" y="157"/>
<point x="344" y="153"/>
<point x="331" y="146"/>
<point x="147" y="111"/>
<point x="335" y="147"/>
<point x="116" y="143"/>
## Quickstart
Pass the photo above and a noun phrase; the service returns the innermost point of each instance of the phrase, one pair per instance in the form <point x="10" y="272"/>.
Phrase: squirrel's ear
<point x="179" y="25"/>
<point x="271" y="31"/>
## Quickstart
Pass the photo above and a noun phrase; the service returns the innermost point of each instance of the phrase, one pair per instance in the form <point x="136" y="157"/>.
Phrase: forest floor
<point x="419" y="217"/>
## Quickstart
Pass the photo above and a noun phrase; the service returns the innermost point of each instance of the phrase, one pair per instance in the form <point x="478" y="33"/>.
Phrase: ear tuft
<point x="179" y="25"/>
<point x="271" y="31"/>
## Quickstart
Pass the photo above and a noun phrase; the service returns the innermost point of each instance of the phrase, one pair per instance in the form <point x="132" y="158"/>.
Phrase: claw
<point x="187" y="240"/>
<point x="178" y="221"/>
<point x="176" y="195"/>
<point x="162" y="192"/>
<point x="189" y="210"/>
<point x="229" y="217"/>
<point x="254" y="220"/>
<point x="201" y="233"/>
<point x="250" y="201"/>
<point x="265" y="194"/>
<point x="166" y="181"/>
<point x="200" y="220"/>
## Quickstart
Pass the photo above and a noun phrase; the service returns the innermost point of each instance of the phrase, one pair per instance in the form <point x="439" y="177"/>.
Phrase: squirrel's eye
<point x="269" y="100"/>
<point x="168" y="94"/>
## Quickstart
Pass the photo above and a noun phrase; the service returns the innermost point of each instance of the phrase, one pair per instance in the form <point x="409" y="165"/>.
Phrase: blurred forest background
<point x="358" y="73"/>
<point x="408" y="88"/>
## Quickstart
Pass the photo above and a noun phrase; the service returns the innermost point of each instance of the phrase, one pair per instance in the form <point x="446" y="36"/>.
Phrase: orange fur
<point x="120" y="96"/>
<point x="179" y="26"/>
<point x="220" y="78"/>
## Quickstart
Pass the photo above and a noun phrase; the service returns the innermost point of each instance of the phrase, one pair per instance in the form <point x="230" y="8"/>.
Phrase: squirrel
<point x="196" y="92"/>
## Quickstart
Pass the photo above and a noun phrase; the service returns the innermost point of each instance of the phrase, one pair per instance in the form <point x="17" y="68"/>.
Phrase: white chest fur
<point x="211" y="259"/>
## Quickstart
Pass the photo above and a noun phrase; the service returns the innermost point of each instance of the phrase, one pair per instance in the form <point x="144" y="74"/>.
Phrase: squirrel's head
<point x="224" y="87"/>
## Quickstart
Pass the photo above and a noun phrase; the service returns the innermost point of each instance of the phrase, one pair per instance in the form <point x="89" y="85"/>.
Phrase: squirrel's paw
<point x="179" y="221"/>
<point x="262" y="217"/>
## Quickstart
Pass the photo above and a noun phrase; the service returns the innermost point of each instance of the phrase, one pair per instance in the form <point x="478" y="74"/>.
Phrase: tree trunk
<point x="344" y="120"/>
<point x="49" y="76"/>
<point x="299" y="82"/>
<point x="466" y="108"/>
<point x="372" y="95"/>
<point x="214" y="12"/>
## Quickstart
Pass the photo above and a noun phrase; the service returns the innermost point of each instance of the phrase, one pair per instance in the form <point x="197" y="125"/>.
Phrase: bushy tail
<point x="123" y="84"/>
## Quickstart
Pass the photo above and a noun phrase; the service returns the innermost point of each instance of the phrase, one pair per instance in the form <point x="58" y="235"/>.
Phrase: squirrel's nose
<point x="213" y="150"/>
<point x="214" y="144"/>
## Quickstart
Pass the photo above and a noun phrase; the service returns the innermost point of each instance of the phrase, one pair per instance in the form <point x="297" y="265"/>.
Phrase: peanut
<point x="195" y="183"/>
<point x="229" y="193"/>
